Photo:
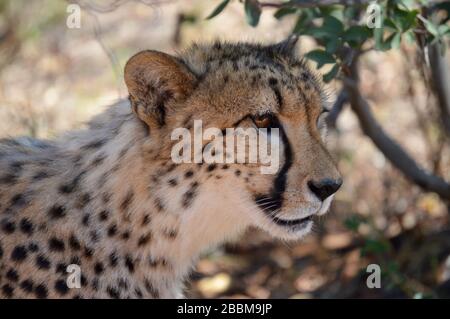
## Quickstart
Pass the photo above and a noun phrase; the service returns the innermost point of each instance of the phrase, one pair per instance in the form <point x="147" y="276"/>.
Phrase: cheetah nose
<point x="325" y="187"/>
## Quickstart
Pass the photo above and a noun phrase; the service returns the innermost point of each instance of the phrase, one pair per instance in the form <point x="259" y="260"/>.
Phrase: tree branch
<point x="441" y="83"/>
<point x="337" y="108"/>
<point x="390" y="149"/>
<point x="313" y="3"/>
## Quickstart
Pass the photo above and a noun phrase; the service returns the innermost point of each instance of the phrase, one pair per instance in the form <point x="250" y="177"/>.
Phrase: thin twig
<point x="314" y="3"/>
<point x="391" y="149"/>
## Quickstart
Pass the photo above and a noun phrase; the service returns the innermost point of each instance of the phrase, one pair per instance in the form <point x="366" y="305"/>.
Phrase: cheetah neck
<point x="132" y="214"/>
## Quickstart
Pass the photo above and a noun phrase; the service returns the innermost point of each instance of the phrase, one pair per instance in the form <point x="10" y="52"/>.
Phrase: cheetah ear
<point x="286" y="47"/>
<point x="154" y="80"/>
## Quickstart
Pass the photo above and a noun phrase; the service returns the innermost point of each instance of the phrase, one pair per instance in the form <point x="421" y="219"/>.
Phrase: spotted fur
<point x="109" y="198"/>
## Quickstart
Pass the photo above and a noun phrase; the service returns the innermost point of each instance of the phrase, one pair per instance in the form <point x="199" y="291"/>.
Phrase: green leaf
<point x="218" y="9"/>
<point x="390" y="24"/>
<point x="331" y="74"/>
<point x="333" y="25"/>
<point x="284" y="11"/>
<point x="352" y="223"/>
<point x="252" y="12"/>
<point x="431" y="27"/>
<point x="444" y="29"/>
<point x="331" y="29"/>
<point x="302" y="23"/>
<point x="321" y="57"/>
<point x="395" y="41"/>
<point x="356" y="35"/>
<point x="374" y="246"/>
<point x="404" y="19"/>
<point x="332" y="45"/>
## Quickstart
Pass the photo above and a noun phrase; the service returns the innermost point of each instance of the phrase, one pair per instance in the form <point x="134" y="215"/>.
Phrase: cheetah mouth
<point x="293" y="223"/>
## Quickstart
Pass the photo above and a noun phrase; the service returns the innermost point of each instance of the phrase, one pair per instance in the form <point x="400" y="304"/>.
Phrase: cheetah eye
<point x="263" y="120"/>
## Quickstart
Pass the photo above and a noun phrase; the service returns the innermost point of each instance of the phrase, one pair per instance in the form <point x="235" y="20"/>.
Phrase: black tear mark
<point x="275" y="197"/>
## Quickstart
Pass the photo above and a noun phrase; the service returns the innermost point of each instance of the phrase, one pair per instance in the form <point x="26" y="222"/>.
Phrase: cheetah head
<point x="238" y="86"/>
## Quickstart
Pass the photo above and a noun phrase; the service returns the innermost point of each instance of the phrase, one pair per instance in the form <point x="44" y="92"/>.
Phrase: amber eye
<point x="263" y="121"/>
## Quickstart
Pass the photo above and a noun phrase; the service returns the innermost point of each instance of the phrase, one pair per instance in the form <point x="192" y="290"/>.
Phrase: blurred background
<point x="54" y="78"/>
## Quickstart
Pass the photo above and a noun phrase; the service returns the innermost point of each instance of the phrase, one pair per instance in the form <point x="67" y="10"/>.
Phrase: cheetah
<point x="109" y="199"/>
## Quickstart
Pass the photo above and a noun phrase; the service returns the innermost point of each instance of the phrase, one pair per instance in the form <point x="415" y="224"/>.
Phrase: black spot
<point x="237" y="172"/>
<point x="82" y="201"/>
<point x="41" y="291"/>
<point x="61" y="287"/>
<point x="88" y="252"/>
<point x="98" y="160"/>
<point x="106" y="197"/>
<point x="123" y="283"/>
<point x="72" y="185"/>
<point x="85" y="220"/>
<point x="189" y="196"/>
<point x="273" y="81"/>
<point x="138" y="293"/>
<point x="33" y="247"/>
<point x="144" y="239"/>
<point x="112" y="292"/>
<point x="74" y="243"/>
<point x="55" y="244"/>
<point x="95" y="236"/>
<point x="171" y="234"/>
<point x="75" y="260"/>
<point x="19" y="253"/>
<point x="57" y="212"/>
<point x="112" y="230"/>
<point x="62" y="268"/>
<point x="158" y="262"/>
<point x="40" y="175"/>
<point x="8" y="226"/>
<point x="42" y="262"/>
<point x="95" y="284"/>
<point x="126" y="235"/>
<point x="27" y="285"/>
<point x="98" y="268"/>
<point x="113" y="259"/>
<point x="129" y="263"/>
<point x="159" y="205"/>
<point x="83" y="280"/>
<point x="18" y="200"/>
<point x="211" y="167"/>
<point x="189" y="174"/>
<point x="26" y="226"/>
<point x="8" y="291"/>
<point x="103" y="215"/>
<point x="173" y="182"/>
<point x="127" y="201"/>
<point x="8" y="179"/>
<point x="146" y="220"/>
<point x="12" y="275"/>
<point x="225" y="166"/>
<point x="171" y="168"/>
<point x="151" y="289"/>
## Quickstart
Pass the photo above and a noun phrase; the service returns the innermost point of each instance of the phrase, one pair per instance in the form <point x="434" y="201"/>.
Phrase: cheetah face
<point x="243" y="86"/>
